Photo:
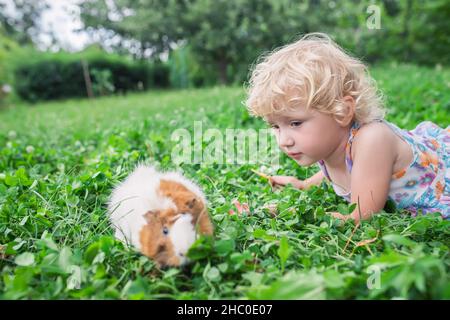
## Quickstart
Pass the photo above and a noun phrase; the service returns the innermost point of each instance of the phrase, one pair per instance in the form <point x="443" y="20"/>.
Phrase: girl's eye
<point x="165" y="230"/>
<point x="274" y="126"/>
<point x="296" y="123"/>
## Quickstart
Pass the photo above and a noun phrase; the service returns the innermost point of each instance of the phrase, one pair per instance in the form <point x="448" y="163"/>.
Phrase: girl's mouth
<point x="294" y="154"/>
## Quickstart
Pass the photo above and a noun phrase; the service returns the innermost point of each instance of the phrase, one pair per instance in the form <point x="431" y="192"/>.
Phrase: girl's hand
<point x="352" y="216"/>
<point x="338" y="215"/>
<point x="279" y="181"/>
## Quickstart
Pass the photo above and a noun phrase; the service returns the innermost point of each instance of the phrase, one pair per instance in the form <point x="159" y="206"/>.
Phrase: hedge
<point x="58" y="78"/>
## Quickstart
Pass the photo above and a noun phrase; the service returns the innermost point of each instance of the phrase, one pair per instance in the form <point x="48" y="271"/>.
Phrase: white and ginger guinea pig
<point x="160" y="214"/>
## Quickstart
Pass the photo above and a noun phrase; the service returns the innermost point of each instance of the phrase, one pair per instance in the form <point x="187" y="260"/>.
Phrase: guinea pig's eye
<point x="165" y="230"/>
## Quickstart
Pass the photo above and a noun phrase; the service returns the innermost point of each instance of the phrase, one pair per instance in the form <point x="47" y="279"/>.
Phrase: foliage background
<point x="184" y="44"/>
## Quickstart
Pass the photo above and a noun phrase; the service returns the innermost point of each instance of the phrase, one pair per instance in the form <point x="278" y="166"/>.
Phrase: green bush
<point x="47" y="76"/>
<point x="186" y="71"/>
<point x="54" y="79"/>
<point x="159" y="75"/>
<point x="8" y="48"/>
<point x="49" y="80"/>
<point x="103" y="83"/>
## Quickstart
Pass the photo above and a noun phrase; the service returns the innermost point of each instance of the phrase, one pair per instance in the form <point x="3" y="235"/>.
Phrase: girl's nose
<point x="285" y="140"/>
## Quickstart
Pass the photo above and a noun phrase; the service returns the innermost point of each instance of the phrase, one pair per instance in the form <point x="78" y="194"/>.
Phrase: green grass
<point x="59" y="161"/>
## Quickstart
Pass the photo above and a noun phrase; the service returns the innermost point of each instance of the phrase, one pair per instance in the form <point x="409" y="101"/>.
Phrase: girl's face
<point x="307" y="136"/>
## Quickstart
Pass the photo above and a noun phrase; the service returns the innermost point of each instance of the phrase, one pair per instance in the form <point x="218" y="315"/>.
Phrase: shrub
<point x="186" y="71"/>
<point x="55" y="76"/>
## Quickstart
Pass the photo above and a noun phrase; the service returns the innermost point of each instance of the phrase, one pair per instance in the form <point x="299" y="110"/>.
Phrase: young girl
<point x="324" y="108"/>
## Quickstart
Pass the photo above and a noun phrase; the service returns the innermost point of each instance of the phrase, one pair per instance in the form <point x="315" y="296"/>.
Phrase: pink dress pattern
<point x="424" y="185"/>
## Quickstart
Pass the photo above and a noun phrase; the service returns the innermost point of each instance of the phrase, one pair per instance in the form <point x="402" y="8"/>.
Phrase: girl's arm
<point x="373" y="161"/>
<point x="314" y="180"/>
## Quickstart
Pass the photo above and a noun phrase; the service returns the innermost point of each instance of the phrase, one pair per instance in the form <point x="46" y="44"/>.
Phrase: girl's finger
<point x="271" y="181"/>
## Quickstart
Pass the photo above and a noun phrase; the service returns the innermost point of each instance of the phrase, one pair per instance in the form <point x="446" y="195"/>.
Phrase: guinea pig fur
<point x="159" y="214"/>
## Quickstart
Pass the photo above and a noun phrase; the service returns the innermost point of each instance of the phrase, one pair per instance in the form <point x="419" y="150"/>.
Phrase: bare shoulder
<point x="376" y="137"/>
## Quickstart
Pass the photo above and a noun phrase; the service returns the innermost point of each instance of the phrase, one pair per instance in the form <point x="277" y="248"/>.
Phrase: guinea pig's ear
<point x="191" y="202"/>
<point x="151" y="214"/>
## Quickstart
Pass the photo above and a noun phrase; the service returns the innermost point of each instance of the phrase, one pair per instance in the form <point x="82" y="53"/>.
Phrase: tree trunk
<point x="87" y="79"/>
<point x="406" y="30"/>
<point x="222" y="68"/>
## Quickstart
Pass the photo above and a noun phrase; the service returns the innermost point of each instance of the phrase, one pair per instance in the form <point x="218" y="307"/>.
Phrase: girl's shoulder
<point x="374" y="133"/>
<point x="379" y="136"/>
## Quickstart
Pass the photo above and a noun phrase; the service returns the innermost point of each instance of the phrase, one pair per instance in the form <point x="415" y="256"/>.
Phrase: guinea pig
<point x="159" y="213"/>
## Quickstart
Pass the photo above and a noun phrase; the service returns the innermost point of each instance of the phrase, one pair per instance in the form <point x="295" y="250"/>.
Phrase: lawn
<point x="59" y="161"/>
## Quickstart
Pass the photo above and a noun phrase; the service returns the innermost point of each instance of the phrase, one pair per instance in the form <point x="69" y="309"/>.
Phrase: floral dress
<point x="424" y="185"/>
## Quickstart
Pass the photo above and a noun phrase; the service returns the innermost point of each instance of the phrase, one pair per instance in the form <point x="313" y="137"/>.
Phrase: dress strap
<point x="348" y="148"/>
<point x="324" y="169"/>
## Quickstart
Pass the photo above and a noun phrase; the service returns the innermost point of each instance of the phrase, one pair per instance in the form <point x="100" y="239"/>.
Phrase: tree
<point x="220" y="32"/>
<point x="227" y="35"/>
<point x="23" y="24"/>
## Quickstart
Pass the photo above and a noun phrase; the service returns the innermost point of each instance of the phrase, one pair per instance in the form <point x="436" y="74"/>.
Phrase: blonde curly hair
<point x="313" y="72"/>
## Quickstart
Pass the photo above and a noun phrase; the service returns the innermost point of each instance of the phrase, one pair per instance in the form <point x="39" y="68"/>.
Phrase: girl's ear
<point x="347" y="112"/>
